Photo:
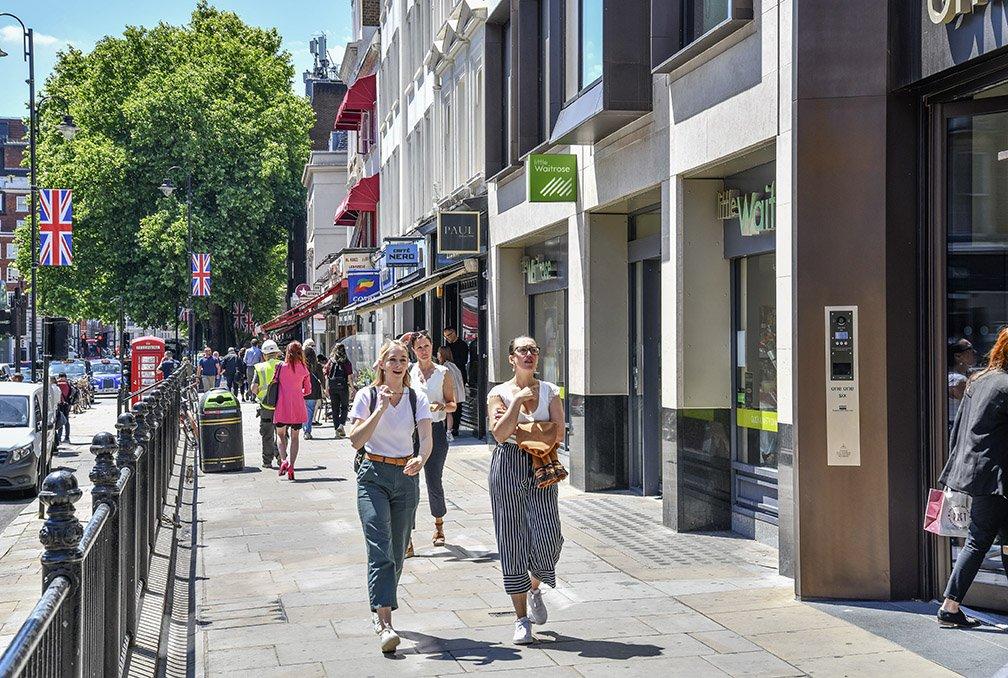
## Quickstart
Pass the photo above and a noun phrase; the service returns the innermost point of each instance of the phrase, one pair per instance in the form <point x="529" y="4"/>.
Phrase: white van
<point x="22" y="464"/>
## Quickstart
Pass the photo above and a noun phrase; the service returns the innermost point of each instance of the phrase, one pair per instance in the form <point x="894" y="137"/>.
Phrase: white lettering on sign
<point x="945" y="11"/>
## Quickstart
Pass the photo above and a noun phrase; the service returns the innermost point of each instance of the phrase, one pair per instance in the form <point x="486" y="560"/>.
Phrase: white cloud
<point x="13" y="35"/>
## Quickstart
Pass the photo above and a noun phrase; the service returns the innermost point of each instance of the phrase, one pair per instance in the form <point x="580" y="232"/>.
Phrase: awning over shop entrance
<point x="406" y="292"/>
<point x="303" y="310"/>
<point x="362" y="197"/>
<point x="359" y="99"/>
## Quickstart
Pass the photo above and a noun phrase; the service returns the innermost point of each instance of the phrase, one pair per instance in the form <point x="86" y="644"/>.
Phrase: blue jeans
<point x="988" y="520"/>
<point x="310" y="406"/>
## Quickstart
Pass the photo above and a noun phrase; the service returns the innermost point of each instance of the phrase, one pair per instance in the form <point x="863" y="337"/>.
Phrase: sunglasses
<point x="527" y="350"/>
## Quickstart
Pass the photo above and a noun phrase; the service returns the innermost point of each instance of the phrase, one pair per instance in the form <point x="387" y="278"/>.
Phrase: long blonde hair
<point x="383" y="354"/>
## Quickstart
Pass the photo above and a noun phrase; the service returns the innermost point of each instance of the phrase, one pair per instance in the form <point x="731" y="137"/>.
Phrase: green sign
<point x="552" y="178"/>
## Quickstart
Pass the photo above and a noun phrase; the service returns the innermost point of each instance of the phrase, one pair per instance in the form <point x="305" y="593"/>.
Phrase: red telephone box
<point x="147" y="354"/>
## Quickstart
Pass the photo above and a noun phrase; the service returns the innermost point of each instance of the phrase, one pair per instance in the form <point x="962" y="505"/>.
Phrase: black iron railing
<point x="93" y="575"/>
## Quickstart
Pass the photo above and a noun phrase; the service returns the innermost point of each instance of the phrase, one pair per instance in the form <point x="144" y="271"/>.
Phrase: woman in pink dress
<point x="291" y="413"/>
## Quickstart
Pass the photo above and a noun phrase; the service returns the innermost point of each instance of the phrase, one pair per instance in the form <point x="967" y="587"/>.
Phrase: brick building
<point x="14" y="200"/>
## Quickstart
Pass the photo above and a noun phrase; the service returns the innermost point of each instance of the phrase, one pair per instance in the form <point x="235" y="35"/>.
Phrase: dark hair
<point x="255" y="342"/>
<point x="421" y="333"/>
<point x="311" y="358"/>
<point x="511" y="346"/>
<point x="956" y="347"/>
<point x="339" y="351"/>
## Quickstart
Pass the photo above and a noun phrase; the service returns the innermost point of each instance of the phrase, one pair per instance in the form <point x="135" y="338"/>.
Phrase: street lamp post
<point x="167" y="187"/>
<point x="68" y="130"/>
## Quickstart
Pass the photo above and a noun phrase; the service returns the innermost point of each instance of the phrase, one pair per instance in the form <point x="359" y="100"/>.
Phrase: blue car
<point x="106" y="375"/>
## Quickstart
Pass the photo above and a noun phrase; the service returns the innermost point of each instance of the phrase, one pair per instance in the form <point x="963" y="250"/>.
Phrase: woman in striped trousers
<point x="526" y="517"/>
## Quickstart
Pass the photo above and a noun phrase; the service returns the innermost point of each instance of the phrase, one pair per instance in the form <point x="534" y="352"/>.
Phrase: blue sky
<point x="82" y="23"/>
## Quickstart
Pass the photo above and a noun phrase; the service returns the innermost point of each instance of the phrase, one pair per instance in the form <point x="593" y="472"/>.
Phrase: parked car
<point x="23" y="466"/>
<point x="106" y="375"/>
<point x="74" y="369"/>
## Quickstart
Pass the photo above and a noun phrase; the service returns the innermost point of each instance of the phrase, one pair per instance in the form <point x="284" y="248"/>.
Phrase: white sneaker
<point x="536" y="607"/>
<point x="376" y="623"/>
<point x="389" y="640"/>
<point x="523" y="632"/>
<point x="449" y="436"/>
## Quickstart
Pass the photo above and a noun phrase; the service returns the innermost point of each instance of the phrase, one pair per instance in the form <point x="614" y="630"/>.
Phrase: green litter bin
<point x="221" y="432"/>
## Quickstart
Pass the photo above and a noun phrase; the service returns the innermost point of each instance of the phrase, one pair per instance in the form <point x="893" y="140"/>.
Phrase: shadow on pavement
<point x="317" y="480"/>
<point x="599" y="649"/>
<point x="477" y="652"/>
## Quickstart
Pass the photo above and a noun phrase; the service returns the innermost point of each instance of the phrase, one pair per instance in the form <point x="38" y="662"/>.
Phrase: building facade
<point x="14" y="212"/>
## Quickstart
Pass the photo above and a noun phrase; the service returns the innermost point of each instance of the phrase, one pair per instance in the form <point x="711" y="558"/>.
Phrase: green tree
<point x="213" y="97"/>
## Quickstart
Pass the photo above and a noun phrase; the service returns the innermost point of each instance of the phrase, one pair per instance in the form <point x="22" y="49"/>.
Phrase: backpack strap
<point x="412" y="402"/>
<point x="373" y="394"/>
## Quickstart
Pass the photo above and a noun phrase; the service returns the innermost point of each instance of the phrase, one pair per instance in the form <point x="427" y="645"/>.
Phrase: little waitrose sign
<point x="945" y="11"/>
<point x="756" y="212"/>
<point x="552" y="177"/>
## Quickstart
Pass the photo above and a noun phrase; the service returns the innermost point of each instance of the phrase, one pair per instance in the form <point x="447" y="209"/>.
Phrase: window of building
<point x="505" y="137"/>
<point x="3" y="203"/>
<point x="478" y="126"/>
<point x="590" y="56"/>
<point x="22" y="203"/>
<point x="20" y="223"/>
<point x="4" y="131"/>
<point x="12" y="274"/>
<point x="701" y="16"/>
<point x="11" y="250"/>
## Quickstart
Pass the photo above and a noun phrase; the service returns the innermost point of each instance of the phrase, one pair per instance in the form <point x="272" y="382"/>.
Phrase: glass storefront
<point x="549" y="327"/>
<point x="976" y="273"/>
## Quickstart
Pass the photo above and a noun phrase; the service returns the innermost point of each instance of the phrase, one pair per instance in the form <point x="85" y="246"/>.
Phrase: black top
<point x="460" y="356"/>
<point x="979" y="439"/>
<point x="316" y="382"/>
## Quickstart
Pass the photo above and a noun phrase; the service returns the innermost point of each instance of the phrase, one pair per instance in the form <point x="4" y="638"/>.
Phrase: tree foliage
<point x="214" y="98"/>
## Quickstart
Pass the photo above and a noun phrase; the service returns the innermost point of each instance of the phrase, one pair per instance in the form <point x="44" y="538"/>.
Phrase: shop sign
<point x="538" y="270"/>
<point x="387" y="279"/>
<point x="402" y="253"/>
<point x="945" y="11"/>
<point x="458" y="233"/>
<point x="349" y="261"/>
<point x="552" y="177"/>
<point x="756" y="212"/>
<point x="362" y="284"/>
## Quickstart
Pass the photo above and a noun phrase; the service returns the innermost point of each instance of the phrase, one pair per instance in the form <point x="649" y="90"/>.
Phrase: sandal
<point x="439" y="538"/>
<point x="409" y="549"/>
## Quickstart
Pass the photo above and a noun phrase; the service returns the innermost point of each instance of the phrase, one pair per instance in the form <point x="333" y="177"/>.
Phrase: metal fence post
<point x="60" y="536"/>
<point x="145" y="465"/>
<point x="105" y="477"/>
<point x="129" y="517"/>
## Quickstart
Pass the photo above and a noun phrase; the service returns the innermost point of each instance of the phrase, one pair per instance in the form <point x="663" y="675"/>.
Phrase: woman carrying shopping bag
<point x="436" y="384"/>
<point x="293" y="385"/>
<point x="978" y="467"/>
<point x="381" y="425"/>
<point x="525" y="510"/>
<point x="444" y="355"/>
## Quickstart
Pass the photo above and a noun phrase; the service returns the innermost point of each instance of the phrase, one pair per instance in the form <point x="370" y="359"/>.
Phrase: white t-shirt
<point x="433" y="388"/>
<point x="547" y="391"/>
<point x="393" y="435"/>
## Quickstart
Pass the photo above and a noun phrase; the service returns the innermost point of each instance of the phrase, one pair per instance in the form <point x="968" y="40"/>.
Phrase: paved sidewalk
<point x="282" y="589"/>
<point x="20" y="549"/>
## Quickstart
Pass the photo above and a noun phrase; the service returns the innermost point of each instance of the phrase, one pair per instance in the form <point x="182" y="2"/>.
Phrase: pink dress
<point x="295" y="384"/>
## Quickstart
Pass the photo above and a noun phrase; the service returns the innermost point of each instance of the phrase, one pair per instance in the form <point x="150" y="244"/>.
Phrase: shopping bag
<point x="947" y="513"/>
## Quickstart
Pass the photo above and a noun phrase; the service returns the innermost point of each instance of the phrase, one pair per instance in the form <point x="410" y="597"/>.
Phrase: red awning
<point x="362" y="197"/>
<point x="302" y="310"/>
<point x="359" y="98"/>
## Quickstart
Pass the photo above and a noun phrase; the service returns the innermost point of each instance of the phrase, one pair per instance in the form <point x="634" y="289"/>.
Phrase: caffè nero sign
<point x="756" y="212"/>
<point x="946" y="11"/>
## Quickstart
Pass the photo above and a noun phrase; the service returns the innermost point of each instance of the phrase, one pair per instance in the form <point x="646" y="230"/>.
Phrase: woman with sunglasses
<point x="526" y="517"/>
<point x="433" y="381"/>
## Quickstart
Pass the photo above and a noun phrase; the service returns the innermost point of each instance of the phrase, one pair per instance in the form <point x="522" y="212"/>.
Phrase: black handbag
<point x="273" y="390"/>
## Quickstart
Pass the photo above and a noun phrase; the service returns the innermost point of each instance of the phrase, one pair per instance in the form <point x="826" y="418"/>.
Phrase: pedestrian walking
<point x="525" y="514"/>
<point x="382" y="421"/>
<point x="66" y="401"/>
<point x="978" y="468"/>
<point x="435" y="382"/>
<point x="253" y="356"/>
<point x="168" y="365"/>
<point x="460" y="356"/>
<point x="230" y="366"/>
<point x="262" y="376"/>
<point x="445" y="359"/>
<point x="290" y="415"/>
<point x="315" y="395"/>
<point x="339" y="375"/>
<point x="208" y="369"/>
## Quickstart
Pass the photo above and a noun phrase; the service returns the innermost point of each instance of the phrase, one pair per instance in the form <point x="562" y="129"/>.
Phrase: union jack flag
<point x="239" y="315"/>
<point x="200" y="275"/>
<point x="250" y="324"/>
<point x="55" y="227"/>
<point x="183" y="315"/>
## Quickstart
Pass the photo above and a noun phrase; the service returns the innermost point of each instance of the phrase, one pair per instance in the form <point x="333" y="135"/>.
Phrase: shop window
<point x="756" y="361"/>
<point x="549" y="329"/>
<point x="680" y="36"/>
<point x="701" y="16"/>
<point x="590" y="42"/>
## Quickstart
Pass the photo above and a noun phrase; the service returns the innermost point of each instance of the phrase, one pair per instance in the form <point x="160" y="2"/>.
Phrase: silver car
<point x="23" y="466"/>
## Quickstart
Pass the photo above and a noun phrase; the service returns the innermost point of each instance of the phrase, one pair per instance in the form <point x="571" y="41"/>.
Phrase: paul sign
<point x="945" y="11"/>
<point x="458" y="233"/>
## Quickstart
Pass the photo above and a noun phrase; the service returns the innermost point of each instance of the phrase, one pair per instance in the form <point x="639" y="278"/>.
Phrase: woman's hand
<point x="413" y="466"/>
<point x="384" y="397"/>
<point x="525" y="395"/>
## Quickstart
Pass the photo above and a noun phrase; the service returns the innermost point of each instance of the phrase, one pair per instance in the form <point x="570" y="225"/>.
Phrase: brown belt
<point x="395" y="461"/>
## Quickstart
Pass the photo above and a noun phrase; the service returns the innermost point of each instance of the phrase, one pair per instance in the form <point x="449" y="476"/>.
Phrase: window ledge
<point x="503" y="175"/>
<point x="694" y="52"/>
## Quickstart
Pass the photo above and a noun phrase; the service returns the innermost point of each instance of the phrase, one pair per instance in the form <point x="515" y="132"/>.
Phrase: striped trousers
<point x="526" y="520"/>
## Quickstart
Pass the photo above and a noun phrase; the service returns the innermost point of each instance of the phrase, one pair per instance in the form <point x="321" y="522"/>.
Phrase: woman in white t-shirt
<point x="436" y="383"/>
<point x="382" y="421"/>
<point x="526" y="517"/>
